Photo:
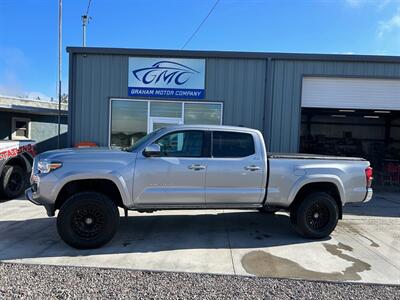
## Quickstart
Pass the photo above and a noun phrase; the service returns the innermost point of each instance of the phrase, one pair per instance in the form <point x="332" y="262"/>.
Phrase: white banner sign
<point x="166" y="77"/>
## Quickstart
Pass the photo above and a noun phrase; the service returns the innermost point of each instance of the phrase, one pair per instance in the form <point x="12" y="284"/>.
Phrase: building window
<point x="203" y="113"/>
<point x="132" y="119"/>
<point x="20" y="129"/>
<point x="128" y="122"/>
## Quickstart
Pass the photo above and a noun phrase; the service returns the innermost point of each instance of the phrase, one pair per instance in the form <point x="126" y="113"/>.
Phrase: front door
<point x="158" y="122"/>
<point x="177" y="176"/>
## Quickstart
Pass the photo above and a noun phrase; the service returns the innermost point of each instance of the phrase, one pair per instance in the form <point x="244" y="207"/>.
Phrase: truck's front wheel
<point x="316" y="216"/>
<point x="87" y="220"/>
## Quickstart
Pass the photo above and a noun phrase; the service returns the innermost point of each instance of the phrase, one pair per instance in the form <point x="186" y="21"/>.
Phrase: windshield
<point x="142" y="141"/>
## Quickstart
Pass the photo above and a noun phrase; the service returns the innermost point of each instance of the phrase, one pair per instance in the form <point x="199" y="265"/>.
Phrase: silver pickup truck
<point x="193" y="167"/>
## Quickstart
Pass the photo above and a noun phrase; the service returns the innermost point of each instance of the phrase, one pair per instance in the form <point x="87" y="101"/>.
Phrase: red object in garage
<point x="85" y="145"/>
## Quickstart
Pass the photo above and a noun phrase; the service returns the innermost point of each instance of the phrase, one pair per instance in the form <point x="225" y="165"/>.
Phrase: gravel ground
<point x="40" y="281"/>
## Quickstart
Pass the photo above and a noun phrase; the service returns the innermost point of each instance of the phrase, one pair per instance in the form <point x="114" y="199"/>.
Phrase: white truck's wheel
<point x="87" y="220"/>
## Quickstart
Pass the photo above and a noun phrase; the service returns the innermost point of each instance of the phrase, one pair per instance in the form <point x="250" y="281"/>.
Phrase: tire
<point x="13" y="181"/>
<point x="87" y="220"/>
<point x="268" y="210"/>
<point x="316" y="216"/>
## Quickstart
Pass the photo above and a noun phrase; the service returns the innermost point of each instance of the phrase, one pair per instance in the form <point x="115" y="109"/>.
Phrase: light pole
<point x="59" y="69"/>
<point x="85" y="20"/>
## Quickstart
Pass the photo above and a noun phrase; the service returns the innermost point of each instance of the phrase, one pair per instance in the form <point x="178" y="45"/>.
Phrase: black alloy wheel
<point x="316" y="216"/>
<point x="87" y="220"/>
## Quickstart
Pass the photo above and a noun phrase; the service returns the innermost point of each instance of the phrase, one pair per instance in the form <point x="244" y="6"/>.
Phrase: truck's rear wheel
<point x="12" y="181"/>
<point x="87" y="220"/>
<point x="316" y="216"/>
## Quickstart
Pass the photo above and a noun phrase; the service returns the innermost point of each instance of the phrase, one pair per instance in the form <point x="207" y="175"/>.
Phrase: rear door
<point x="235" y="171"/>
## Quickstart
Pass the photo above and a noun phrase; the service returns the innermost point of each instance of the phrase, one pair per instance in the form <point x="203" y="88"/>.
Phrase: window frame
<point x="14" y="121"/>
<point x="134" y="99"/>
<point x="205" y="151"/>
<point x="231" y="157"/>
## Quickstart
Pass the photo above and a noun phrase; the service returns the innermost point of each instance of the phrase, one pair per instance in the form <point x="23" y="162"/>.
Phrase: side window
<point x="182" y="144"/>
<point x="20" y="128"/>
<point x="232" y="144"/>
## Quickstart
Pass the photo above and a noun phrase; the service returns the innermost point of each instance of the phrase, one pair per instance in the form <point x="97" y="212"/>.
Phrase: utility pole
<point x="85" y="20"/>
<point x="59" y="69"/>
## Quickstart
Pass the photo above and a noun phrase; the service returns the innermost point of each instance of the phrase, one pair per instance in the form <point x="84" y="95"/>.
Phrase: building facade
<point x="27" y="119"/>
<point x="329" y="104"/>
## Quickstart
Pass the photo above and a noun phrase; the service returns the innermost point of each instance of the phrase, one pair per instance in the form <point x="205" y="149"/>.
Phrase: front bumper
<point x="368" y="196"/>
<point x="32" y="196"/>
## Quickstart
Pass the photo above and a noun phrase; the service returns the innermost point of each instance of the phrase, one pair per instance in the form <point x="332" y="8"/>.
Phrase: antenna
<point x="85" y="20"/>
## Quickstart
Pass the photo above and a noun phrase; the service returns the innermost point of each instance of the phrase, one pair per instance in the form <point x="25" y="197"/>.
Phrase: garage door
<point x="355" y="93"/>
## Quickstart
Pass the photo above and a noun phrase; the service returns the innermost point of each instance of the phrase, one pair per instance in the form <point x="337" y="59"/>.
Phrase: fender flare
<point x="317" y="178"/>
<point x="114" y="177"/>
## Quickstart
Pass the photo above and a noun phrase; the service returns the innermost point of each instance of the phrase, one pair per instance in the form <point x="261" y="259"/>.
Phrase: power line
<point x="88" y="7"/>
<point x="201" y="24"/>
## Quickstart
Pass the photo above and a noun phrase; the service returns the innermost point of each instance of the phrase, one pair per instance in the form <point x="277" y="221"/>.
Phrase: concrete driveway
<point x="365" y="247"/>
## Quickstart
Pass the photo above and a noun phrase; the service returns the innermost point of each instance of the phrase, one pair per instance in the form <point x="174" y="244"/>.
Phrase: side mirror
<point x="152" y="150"/>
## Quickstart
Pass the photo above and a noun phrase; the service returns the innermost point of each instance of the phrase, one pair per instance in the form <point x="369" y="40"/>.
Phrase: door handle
<point x="252" y="168"/>
<point x="196" y="167"/>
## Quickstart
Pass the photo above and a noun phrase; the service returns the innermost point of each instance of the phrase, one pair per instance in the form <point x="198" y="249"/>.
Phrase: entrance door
<point x="158" y="122"/>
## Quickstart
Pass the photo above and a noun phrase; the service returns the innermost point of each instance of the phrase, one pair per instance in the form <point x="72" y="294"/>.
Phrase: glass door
<point x="158" y="122"/>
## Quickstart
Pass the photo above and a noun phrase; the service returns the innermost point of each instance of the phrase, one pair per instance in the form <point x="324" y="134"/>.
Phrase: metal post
<point x="59" y="69"/>
<point x="84" y="22"/>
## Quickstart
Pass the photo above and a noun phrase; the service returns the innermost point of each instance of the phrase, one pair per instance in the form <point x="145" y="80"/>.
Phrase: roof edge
<point x="234" y="54"/>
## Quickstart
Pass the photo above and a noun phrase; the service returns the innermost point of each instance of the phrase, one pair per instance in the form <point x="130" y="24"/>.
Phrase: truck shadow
<point x="37" y="238"/>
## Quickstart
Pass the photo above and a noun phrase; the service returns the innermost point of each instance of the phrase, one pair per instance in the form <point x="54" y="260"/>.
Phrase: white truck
<point x="16" y="158"/>
<point x="193" y="167"/>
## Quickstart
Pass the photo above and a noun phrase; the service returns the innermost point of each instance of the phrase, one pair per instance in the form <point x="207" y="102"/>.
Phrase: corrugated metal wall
<point x="240" y="83"/>
<point x="95" y="78"/>
<point x="283" y="120"/>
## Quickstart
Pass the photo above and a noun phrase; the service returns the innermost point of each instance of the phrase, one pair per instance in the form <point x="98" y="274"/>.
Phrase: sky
<point x="29" y="32"/>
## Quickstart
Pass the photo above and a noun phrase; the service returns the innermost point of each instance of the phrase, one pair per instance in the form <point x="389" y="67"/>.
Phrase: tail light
<point x="368" y="176"/>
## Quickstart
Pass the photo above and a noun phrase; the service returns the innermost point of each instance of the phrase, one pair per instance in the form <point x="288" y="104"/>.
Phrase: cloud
<point x="390" y="25"/>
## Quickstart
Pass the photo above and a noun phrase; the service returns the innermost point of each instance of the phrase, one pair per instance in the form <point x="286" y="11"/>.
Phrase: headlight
<point x="45" y="166"/>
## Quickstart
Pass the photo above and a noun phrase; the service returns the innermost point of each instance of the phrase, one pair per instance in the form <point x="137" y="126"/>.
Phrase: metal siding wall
<point x="240" y="84"/>
<point x="97" y="77"/>
<point x="43" y="128"/>
<point x="287" y="77"/>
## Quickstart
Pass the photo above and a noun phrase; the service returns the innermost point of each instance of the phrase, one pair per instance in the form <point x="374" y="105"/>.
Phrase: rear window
<point x="232" y="144"/>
